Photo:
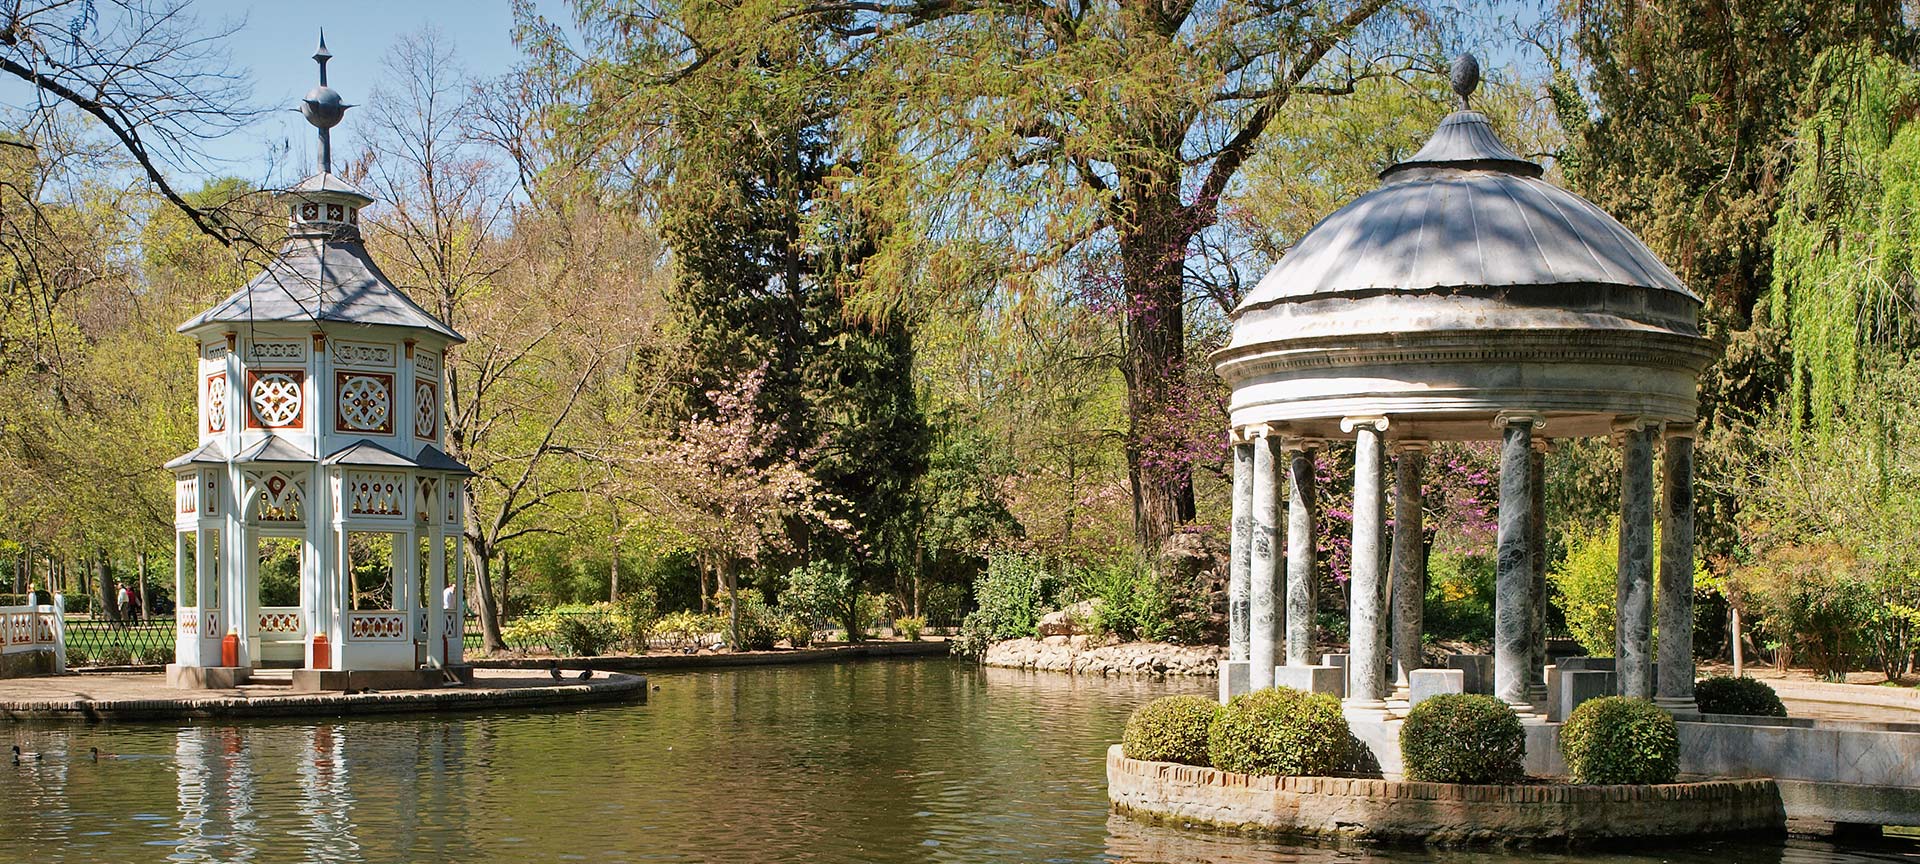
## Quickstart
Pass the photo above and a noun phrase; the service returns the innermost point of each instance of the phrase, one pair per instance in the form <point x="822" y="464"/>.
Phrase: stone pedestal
<point x="1233" y="679"/>
<point x="1331" y="680"/>
<point x="1476" y="672"/>
<point x="1425" y="683"/>
<point x="1577" y="687"/>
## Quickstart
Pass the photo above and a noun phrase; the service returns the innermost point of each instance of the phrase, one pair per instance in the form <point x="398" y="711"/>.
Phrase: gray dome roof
<point x="1464" y="211"/>
<point x="1463" y="288"/>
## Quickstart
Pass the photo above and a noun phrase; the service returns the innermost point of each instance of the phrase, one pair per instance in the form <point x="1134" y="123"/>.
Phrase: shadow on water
<point x="876" y="761"/>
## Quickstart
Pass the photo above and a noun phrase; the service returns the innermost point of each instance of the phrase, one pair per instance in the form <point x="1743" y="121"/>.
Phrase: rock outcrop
<point x="1079" y="656"/>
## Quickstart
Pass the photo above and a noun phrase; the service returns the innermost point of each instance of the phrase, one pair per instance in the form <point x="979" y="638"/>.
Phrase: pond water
<point x="881" y="761"/>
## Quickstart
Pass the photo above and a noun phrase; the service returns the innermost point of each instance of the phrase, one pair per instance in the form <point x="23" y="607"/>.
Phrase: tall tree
<point x="1097" y="142"/>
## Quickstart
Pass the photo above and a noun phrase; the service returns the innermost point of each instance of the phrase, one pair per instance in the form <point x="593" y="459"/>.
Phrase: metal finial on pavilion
<point x="323" y="106"/>
<point x="1466" y="77"/>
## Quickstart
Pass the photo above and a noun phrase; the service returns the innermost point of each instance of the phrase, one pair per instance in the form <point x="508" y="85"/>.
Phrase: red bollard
<point x="230" y="650"/>
<point x="322" y="657"/>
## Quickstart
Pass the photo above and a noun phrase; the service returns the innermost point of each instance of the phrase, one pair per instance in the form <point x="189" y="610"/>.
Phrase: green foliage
<point x="1584" y="588"/>
<point x="797" y="632"/>
<point x="759" y="625"/>
<point x="113" y="655"/>
<point x="1170" y="729"/>
<point x="1723" y="694"/>
<point x="910" y="626"/>
<point x="685" y="629"/>
<point x="1280" y="731"/>
<point x="825" y="592"/>
<point x="1459" y="601"/>
<point x="635" y="615"/>
<point x="1010" y="598"/>
<point x="1134" y="601"/>
<point x="584" y="635"/>
<point x="1463" y="738"/>
<point x="1616" y="739"/>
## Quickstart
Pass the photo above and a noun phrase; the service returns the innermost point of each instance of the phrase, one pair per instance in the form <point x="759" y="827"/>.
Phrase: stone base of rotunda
<point x="206" y="677"/>
<point x="343" y="680"/>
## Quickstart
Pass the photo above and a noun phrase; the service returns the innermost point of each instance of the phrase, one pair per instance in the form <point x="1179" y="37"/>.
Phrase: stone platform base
<point x="27" y="664"/>
<point x="336" y="680"/>
<point x="147" y="696"/>
<point x="1440" y="813"/>
<point x="206" y="677"/>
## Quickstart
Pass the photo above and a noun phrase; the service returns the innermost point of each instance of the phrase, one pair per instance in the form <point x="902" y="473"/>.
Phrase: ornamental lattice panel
<point x="217" y="403"/>
<point x="275" y="399"/>
<point x="366" y="402"/>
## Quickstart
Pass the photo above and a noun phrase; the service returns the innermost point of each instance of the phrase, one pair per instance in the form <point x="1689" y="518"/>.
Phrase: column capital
<point x="1516" y="418"/>
<point x="1681" y="429"/>
<point x="1251" y="432"/>
<point x="1296" y="442"/>
<point x="1412" y="445"/>
<point x="1542" y="445"/>
<point x="1623" y="426"/>
<point x="1349" y="424"/>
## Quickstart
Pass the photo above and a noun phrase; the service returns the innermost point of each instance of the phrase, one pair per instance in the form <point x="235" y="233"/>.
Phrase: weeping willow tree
<point x="1846" y="233"/>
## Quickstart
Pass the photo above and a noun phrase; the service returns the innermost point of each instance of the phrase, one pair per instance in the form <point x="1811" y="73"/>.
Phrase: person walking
<point x="124" y="600"/>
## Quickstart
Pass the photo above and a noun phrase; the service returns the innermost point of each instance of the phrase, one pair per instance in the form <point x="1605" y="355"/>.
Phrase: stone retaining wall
<point x="1439" y="813"/>
<point x="1075" y="654"/>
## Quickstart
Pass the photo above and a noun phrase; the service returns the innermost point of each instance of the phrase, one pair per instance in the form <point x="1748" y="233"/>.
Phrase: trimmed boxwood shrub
<point x="1463" y="738"/>
<point x="1170" y="729"/>
<point x="1616" y="739"/>
<point x="1280" y="731"/>
<point x="1723" y="694"/>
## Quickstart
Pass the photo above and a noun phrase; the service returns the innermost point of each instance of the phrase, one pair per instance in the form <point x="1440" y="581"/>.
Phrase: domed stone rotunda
<point x="318" y="522"/>
<point x="1465" y="299"/>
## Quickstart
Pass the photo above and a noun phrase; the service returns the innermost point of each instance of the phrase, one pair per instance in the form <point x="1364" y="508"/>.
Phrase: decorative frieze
<point x="293" y="351"/>
<point x="186" y="495"/>
<point x="423" y="506"/>
<point x="376" y="493"/>
<point x="377" y="626"/>
<point x="375" y="355"/>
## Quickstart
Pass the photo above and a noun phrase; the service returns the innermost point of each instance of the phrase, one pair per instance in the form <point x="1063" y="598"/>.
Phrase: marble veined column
<point x="1537" y="540"/>
<point x="1263" y="567"/>
<point x="1675" y="686"/>
<point x="1300" y="554"/>
<point x="1367" y="605"/>
<point x="1239" y="580"/>
<point x="1409" y="565"/>
<point x="1633" y="588"/>
<point x="1513" y="568"/>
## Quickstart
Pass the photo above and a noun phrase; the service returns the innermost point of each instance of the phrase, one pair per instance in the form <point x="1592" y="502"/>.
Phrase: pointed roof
<point x="274" y="449"/>
<point x="368" y="454"/>
<point x="330" y="183"/>
<point x="321" y="280"/>
<point x="434" y="459"/>
<point x="210" y="453"/>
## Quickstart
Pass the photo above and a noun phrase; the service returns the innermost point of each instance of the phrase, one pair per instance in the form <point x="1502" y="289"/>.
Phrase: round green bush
<point x="1170" y="729"/>
<point x="1722" y="694"/>
<point x="1280" y="731"/>
<point x="1616" y="739"/>
<point x="1463" y="738"/>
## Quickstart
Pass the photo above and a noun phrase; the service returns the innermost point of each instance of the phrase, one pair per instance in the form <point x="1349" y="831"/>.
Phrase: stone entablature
<point x="1439" y="813"/>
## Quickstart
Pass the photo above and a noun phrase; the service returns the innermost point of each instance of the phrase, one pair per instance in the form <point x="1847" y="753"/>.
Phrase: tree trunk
<point x="1153" y="249"/>
<point x="733" y="608"/>
<point x="700" y="572"/>
<point x="483" y="583"/>
<point x="141" y="562"/>
<point x="103" y="577"/>
<point x="613" y="575"/>
<point x="506" y="588"/>
<point x="1739" y="654"/>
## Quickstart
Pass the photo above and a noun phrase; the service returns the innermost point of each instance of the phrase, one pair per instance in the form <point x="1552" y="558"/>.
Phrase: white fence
<point x="24" y="629"/>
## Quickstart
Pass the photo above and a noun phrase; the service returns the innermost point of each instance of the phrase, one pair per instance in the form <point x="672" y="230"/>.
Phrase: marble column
<point x="1537" y="541"/>
<point x="1300" y="554"/>
<point x="1633" y="589"/>
<point x="1367" y="604"/>
<point x="1409" y="566"/>
<point x="1513" y="568"/>
<point x="1675" y="688"/>
<point x="1239" y="580"/>
<point x="1263" y="565"/>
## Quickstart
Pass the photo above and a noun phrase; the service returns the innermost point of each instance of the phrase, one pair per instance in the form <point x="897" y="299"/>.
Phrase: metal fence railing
<point x="100" y="642"/>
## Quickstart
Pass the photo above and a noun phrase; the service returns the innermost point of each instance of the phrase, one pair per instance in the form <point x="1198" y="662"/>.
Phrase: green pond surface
<point x="880" y="761"/>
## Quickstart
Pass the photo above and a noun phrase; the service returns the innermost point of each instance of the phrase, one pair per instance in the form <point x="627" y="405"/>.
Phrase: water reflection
<point x="867" y="762"/>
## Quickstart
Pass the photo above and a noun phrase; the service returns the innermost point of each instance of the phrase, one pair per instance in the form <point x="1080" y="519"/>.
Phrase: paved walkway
<point x="146" y="696"/>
